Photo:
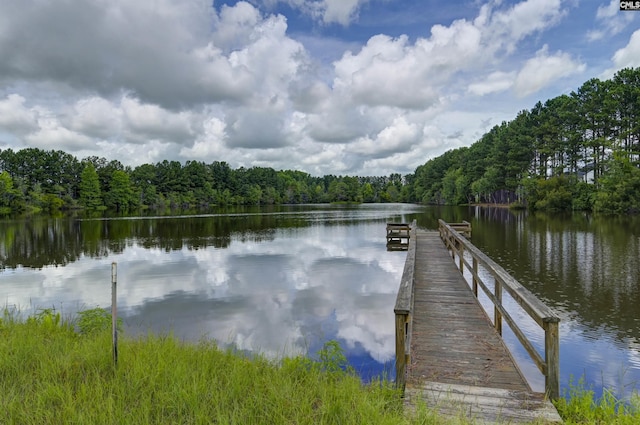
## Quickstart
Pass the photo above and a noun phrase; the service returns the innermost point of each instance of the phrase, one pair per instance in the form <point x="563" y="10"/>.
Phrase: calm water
<point x="284" y="280"/>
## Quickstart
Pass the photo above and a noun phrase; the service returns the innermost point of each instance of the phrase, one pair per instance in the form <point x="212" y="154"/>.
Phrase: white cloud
<point x="505" y="28"/>
<point x="52" y="135"/>
<point x="611" y="21"/>
<point x="398" y="137"/>
<point x="257" y="127"/>
<point x="629" y="55"/>
<point x="386" y="72"/>
<point x="15" y="116"/>
<point x="543" y="69"/>
<point x="495" y="82"/>
<point x="234" y="26"/>
<point x="151" y="122"/>
<point x="97" y="117"/>
<point x="210" y="143"/>
<point x="136" y="153"/>
<point x="341" y="12"/>
<point x="159" y="49"/>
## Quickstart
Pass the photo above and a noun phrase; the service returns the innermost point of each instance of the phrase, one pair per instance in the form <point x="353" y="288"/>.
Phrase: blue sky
<point x="357" y="87"/>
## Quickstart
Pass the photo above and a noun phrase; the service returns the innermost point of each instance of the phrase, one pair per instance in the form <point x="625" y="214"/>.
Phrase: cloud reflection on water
<point x="285" y="295"/>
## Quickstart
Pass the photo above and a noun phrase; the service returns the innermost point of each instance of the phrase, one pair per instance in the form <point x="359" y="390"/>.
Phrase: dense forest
<point x="34" y="180"/>
<point x="578" y="151"/>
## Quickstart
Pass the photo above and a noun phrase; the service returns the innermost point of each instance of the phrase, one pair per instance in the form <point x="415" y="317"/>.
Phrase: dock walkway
<point x="457" y="361"/>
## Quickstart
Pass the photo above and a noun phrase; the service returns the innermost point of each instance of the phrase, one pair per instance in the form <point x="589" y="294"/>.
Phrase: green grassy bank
<point x="61" y="372"/>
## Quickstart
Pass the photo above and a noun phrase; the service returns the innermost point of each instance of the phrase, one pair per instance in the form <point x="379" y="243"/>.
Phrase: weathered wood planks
<point x="457" y="362"/>
<point x="484" y="405"/>
<point x="536" y="309"/>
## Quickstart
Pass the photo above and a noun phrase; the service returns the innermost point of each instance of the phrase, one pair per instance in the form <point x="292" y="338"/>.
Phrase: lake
<point x="283" y="280"/>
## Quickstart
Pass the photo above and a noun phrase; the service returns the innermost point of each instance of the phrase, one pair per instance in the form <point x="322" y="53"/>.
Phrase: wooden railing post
<point x="461" y="259"/>
<point x="467" y="230"/>
<point x="552" y="357"/>
<point x="401" y="357"/>
<point x="497" y="315"/>
<point x="475" y="276"/>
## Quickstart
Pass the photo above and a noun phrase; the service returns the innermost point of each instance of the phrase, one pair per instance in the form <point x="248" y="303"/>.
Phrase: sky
<point x="343" y="87"/>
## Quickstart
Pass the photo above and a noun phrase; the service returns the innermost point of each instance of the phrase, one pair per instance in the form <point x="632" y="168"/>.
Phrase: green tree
<point x="627" y="97"/>
<point x="90" y="195"/>
<point x="7" y="193"/>
<point x="619" y="192"/>
<point x="143" y="177"/>
<point x="121" y="195"/>
<point x="367" y="193"/>
<point x="338" y="191"/>
<point x="552" y="194"/>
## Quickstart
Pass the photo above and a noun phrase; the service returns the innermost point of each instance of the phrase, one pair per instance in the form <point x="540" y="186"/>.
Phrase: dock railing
<point x="404" y="309"/>
<point x="464" y="228"/>
<point x="536" y="309"/>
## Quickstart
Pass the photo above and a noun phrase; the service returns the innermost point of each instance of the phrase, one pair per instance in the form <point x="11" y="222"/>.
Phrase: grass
<point x="55" y="371"/>
<point x="580" y="406"/>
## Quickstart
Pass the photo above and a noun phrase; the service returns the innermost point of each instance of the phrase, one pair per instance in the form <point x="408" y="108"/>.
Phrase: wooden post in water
<point x="114" y="311"/>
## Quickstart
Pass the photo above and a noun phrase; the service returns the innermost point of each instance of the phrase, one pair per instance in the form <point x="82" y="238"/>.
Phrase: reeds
<point x="51" y="373"/>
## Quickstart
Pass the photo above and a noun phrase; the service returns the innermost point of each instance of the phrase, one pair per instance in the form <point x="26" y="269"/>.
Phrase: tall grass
<point x="56" y="372"/>
<point x="580" y="406"/>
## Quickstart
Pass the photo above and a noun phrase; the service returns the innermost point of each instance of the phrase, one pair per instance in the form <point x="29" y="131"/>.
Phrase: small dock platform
<point x="449" y="353"/>
<point x="398" y="236"/>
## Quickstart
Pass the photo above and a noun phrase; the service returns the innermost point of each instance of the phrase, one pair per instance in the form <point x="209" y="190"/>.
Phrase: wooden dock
<point x="398" y="236"/>
<point x="448" y="351"/>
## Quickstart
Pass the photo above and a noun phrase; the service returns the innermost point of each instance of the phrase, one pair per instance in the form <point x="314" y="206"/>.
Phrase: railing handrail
<point x="536" y="309"/>
<point x="404" y="308"/>
<point x="398" y="224"/>
<point x="405" y="292"/>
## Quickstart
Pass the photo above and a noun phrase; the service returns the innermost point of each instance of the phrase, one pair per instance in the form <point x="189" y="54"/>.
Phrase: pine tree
<point x="90" y="196"/>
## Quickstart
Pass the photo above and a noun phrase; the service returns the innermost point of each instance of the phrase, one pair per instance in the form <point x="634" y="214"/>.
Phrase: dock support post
<point x="114" y="312"/>
<point x="552" y="358"/>
<point x="401" y="356"/>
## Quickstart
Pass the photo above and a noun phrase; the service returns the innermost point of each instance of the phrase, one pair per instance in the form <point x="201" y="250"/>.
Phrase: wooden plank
<point x="483" y="404"/>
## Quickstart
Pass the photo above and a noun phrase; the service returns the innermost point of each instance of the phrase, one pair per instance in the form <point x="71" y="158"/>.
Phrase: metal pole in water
<point x="114" y="311"/>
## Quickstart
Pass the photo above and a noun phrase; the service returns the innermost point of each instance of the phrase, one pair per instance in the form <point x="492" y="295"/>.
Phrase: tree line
<point x="577" y="151"/>
<point x="36" y="180"/>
